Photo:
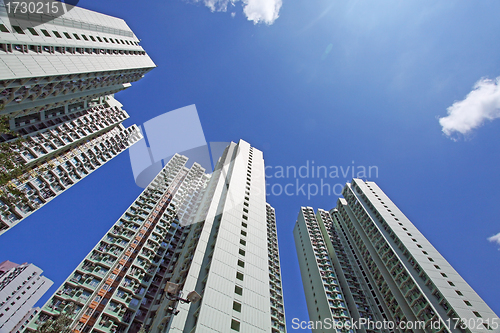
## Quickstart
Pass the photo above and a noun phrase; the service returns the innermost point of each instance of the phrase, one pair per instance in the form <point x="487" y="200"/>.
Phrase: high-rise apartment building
<point x="365" y="266"/>
<point x="19" y="328"/>
<point x="21" y="286"/>
<point x="235" y="264"/>
<point x="212" y="234"/>
<point x="57" y="80"/>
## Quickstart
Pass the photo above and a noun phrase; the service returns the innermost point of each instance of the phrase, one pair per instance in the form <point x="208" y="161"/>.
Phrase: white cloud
<point x="481" y="104"/>
<point x="495" y="239"/>
<point x="258" y="11"/>
<point x="266" y="11"/>
<point x="217" y="5"/>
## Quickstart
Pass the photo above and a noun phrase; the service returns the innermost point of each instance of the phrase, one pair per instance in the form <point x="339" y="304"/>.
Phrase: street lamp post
<point x="174" y="292"/>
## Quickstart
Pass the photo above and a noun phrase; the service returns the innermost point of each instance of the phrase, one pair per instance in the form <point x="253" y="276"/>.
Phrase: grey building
<point x="233" y="262"/>
<point x="57" y="81"/>
<point x="384" y="272"/>
<point x="214" y="235"/>
<point x="21" y="286"/>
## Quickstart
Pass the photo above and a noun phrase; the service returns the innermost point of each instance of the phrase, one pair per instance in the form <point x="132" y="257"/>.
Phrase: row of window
<point x="432" y="287"/>
<point x="235" y="324"/>
<point x="23" y="48"/>
<point x="56" y="33"/>
<point x="336" y="296"/>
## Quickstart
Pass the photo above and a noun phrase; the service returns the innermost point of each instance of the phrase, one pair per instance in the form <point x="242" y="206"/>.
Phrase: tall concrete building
<point x="210" y="234"/>
<point x="21" y="286"/>
<point x="57" y="80"/>
<point x="365" y="265"/>
<point x="234" y="265"/>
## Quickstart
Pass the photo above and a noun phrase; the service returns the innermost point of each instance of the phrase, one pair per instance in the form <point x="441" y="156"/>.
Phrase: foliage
<point x="62" y="324"/>
<point x="11" y="165"/>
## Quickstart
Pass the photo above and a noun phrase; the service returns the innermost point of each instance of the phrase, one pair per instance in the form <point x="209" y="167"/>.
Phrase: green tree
<point x="62" y="324"/>
<point x="11" y="166"/>
<point x="142" y="330"/>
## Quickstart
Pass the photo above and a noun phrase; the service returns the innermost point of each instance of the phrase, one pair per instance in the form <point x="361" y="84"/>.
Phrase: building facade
<point x="213" y="234"/>
<point x="334" y="294"/>
<point x="19" y="328"/>
<point x="57" y="80"/>
<point x="386" y="270"/>
<point x="21" y="286"/>
<point x="234" y="259"/>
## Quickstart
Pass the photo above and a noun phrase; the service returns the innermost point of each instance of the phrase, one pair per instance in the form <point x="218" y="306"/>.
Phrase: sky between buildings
<point x="407" y="88"/>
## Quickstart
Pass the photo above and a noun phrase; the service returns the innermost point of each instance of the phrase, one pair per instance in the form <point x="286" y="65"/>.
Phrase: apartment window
<point x="33" y="31"/>
<point x="459" y="293"/>
<point x="241" y="263"/>
<point x="444" y="275"/>
<point x="244" y="224"/>
<point x="242" y="252"/>
<point x="243" y="232"/>
<point x="424" y="252"/>
<point x="413" y="239"/>
<point x="467" y="303"/>
<point x="85" y="37"/>
<point x="476" y="314"/>
<point x="235" y="325"/>
<point x="45" y="33"/>
<point x="451" y="283"/>
<point x="246" y="204"/>
<point x="18" y="29"/>
<point x="437" y="267"/>
<point x="112" y="41"/>
<point x="430" y="259"/>
<point x="239" y="276"/>
<point x="238" y="290"/>
<point x="245" y="217"/>
<point x="3" y="28"/>
<point x="243" y="242"/>
<point x="92" y="37"/>
<point x="57" y="34"/>
<point x="438" y="295"/>
<point x="105" y="39"/>
<point x="236" y="306"/>
<point x="76" y="36"/>
<point x="67" y="35"/>
<point x="99" y="39"/>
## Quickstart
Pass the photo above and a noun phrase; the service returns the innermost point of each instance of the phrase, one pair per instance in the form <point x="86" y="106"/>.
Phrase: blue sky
<point x="327" y="81"/>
